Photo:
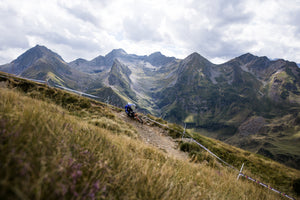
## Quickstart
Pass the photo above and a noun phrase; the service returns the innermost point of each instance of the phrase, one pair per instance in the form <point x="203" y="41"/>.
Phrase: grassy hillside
<point x="228" y="112"/>
<point x="262" y="168"/>
<point x="56" y="145"/>
<point x="249" y="102"/>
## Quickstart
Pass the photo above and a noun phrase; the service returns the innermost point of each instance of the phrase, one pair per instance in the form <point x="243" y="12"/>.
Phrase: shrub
<point x="175" y="131"/>
<point x="296" y="186"/>
<point x="189" y="147"/>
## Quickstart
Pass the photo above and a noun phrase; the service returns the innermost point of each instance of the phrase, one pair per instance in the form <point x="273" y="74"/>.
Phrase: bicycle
<point x="135" y="116"/>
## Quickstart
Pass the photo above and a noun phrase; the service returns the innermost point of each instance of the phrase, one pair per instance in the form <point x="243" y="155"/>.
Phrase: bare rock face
<point x="235" y="100"/>
<point x="30" y="58"/>
<point x="251" y="126"/>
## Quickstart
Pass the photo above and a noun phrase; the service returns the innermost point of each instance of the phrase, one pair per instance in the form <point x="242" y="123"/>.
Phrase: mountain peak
<point x="195" y="54"/>
<point x="248" y="57"/>
<point x="248" y="54"/>
<point x="42" y="47"/>
<point x="192" y="64"/>
<point x="117" y="52"/>
<point x="32" y="56"/>
<point x="158" y="59"/>
<point x="157" y="53"/>
<point x="37" y="52"/>
<point x="111" y="56"/>
<point x="198" y="57"/>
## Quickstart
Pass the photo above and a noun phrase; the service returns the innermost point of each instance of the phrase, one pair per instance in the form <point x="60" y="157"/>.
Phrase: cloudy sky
<point x="217" y="29"/>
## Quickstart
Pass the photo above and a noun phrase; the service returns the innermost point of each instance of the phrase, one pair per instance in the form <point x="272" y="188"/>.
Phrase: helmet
<point x="130" y="104"/>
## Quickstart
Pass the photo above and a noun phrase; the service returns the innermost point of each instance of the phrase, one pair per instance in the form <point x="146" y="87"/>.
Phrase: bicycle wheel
<point x="139" y="119"/>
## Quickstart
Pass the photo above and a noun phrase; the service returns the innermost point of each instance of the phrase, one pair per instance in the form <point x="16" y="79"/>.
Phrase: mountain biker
<point x="128" y="109"/>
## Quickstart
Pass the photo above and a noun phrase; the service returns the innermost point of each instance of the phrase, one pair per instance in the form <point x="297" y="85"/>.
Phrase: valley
<point x="250" y="102"/>
<point x="55" y="144"/>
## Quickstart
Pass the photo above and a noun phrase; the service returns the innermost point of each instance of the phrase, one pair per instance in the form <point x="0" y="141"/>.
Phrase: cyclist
<point x="129" y="110"/>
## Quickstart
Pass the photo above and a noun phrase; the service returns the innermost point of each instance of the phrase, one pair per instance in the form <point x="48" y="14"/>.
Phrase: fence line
<point x="214" y="155"/>
<point x="202" y="146"/>
<point x="192" y="139"/>
<point x="57" y="86"/>
<point x="265" y="185"/>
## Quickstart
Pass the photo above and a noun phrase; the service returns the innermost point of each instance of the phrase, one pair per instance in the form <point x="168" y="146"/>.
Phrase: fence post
<point x="184" y="130"/>
<point x="240" y="172"/>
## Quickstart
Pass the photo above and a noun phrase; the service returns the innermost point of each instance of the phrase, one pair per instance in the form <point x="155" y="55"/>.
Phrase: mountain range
<point x="251" y="102"/>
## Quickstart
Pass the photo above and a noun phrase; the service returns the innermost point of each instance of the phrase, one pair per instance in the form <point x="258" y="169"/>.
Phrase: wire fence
<point x="185" y="136"/>
<point x="265" y="185"/>
<point x="224" y="162"/>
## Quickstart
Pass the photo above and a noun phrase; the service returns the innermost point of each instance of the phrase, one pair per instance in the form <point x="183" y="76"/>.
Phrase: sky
<point x="219" y="30"/>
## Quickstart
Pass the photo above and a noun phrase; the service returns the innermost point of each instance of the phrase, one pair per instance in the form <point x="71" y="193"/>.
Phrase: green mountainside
<point x="250" y="102"/>
<point x="58" y="145"/>
<point x="236" y="103"/>
<point x="42" y="64"/>
<point x="119" y="77"/>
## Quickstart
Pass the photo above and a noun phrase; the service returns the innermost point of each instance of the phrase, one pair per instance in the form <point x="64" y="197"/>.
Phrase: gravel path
<point x="157" y="137"/>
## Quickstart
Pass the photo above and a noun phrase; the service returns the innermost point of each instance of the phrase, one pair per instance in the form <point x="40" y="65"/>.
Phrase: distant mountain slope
<point x="138" y="85"/>
<point x="98" y="64"/>
<point x="87" y="149"/>
<point x="43" y="64"/>
<point x="157" y="59"/>
<point x="104" y="63"/>
<point x="118" y="77"/>
<point x="222" y="99"/>
<point x="281" y="78"/>
<point x="225" y="101"/>
<point x="30" y="57"/>
<point x="131" y="76"/>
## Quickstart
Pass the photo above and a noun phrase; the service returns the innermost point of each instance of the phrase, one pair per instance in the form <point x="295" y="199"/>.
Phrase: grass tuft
<point x="52" y="150"/>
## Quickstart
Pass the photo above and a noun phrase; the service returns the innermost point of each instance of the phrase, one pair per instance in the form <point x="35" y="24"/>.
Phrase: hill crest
<point x="219" y="99"/>
<point x="80" y="133"/>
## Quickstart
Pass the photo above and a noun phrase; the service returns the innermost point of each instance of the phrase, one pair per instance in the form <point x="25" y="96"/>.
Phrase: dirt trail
<point x="157" y="137"/>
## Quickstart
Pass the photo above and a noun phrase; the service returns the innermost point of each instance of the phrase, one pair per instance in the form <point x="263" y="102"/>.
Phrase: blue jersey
<point x="128" y="109"/>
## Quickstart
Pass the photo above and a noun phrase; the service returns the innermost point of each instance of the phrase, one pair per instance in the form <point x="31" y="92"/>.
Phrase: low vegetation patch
<point x="51" y="150"/>
<point x="256" y="166"/>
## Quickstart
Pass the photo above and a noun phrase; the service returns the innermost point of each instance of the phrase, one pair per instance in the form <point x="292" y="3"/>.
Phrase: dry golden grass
<point x="50" y="152"/>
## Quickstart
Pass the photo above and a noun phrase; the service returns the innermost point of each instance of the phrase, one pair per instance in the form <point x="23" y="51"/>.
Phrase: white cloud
<point x="217" y="29"/>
